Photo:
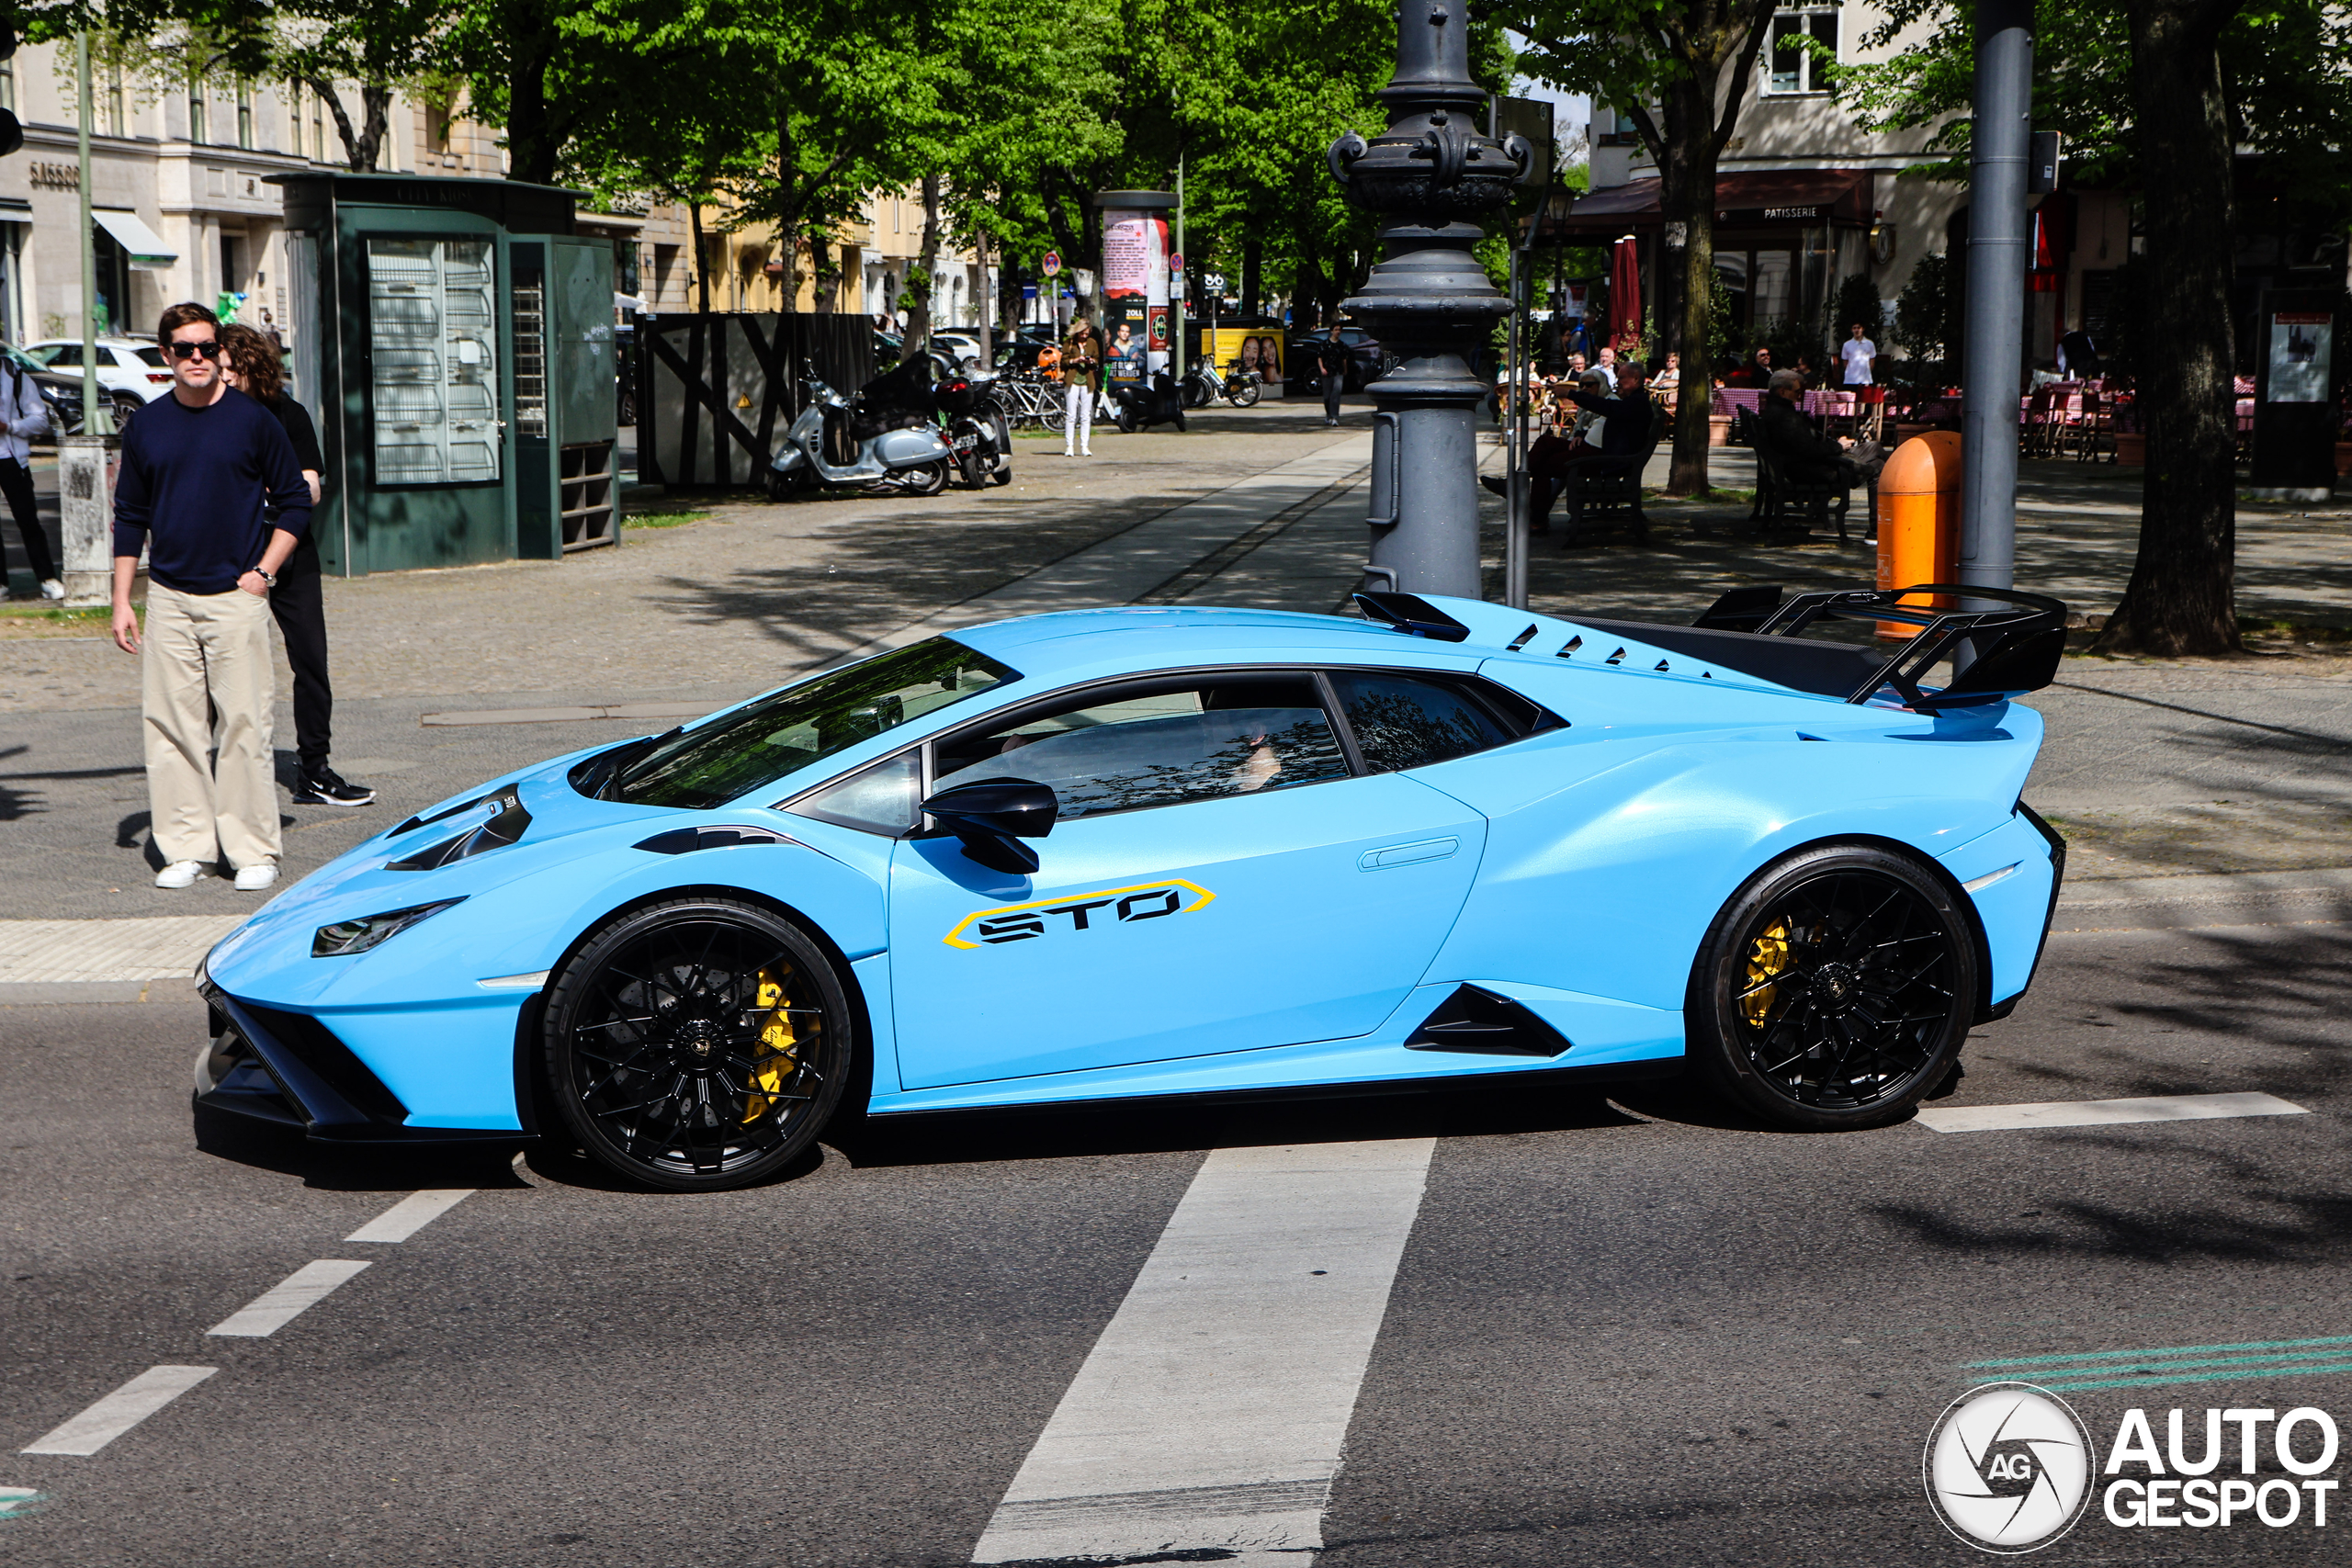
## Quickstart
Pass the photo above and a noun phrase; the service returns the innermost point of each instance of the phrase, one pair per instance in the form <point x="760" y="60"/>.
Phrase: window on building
<point x="244" y="115"/>
<point x="319" y="127"/>
<point x="117" y="105"/>
<point x="7" y="85"/>
<point x="1790" y="64"/>
<point x="198" y="131"/>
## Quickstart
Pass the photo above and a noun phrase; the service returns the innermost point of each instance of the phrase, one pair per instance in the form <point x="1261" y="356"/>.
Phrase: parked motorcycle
<point x="1204" y="386"/>
<point x="1156" y="402"/>
<point x="976" y="429"/>
<point x="834" y="441"/>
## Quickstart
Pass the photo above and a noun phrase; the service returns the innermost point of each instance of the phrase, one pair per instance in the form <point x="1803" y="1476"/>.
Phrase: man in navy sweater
<point x="196" y="468"/>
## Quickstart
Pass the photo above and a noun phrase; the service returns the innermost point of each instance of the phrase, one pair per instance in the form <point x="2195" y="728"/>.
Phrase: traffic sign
<point x="1052" y="264"/>
<point x="1175" y="262"/>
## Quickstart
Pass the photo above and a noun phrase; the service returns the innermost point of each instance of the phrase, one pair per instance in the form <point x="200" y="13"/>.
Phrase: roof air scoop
<point x="1412" y="614"/>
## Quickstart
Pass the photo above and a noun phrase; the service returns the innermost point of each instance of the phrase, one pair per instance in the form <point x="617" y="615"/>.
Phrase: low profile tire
<point x="1835" y="991"/>
<point x="697" y="1045"/>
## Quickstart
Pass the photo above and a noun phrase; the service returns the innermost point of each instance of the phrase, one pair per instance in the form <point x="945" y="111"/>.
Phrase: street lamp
<point x="1434" y="179"/>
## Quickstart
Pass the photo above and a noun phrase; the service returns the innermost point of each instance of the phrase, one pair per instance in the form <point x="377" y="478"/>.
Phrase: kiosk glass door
<point x="434" y="360"/>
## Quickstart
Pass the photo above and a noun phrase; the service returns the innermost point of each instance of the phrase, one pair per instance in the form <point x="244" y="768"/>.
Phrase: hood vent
<point x="505" y="827"/>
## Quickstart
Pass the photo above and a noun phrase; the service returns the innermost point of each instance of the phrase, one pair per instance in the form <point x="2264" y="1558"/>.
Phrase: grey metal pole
<point x="1514" y="459"/>
<point x="2001" y="144"/>
<point x="1178" y="292"/>
<point x="1435" y="179"/>
<point x="97" y="416"/>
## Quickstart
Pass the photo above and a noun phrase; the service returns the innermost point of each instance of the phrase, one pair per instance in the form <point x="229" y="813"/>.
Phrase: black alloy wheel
<point x="1835" y="991"/>
<point x="697" y="1045"/>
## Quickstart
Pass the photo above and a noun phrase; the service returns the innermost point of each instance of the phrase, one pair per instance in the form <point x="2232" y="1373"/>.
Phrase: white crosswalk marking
<point x="2103" y="1113"/>
<point x="284" y="1301"/>
<point x="121" y="1411"/>
<point x="411" y="1214"/>
<point x="1211" y="1414"/>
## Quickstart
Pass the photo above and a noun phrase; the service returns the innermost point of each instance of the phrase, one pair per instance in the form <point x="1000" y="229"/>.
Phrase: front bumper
<point x="289" y="1069"/>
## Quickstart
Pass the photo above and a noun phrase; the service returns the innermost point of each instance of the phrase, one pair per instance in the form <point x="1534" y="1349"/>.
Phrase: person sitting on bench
<point x="1618" y="425"/>
<point x="1804" y="455"/>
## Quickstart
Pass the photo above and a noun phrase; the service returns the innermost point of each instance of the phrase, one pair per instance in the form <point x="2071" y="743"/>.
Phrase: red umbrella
<point x="1625" y="297"/>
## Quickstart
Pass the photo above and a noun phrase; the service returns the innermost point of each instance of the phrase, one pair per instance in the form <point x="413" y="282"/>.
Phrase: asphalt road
<point x="1622" y="1330"/>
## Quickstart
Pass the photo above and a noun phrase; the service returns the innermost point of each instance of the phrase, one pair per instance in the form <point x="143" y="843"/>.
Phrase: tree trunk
<point x="1686" y="196"/>
<point x="2181" y="598"/>
<point x="375" y="120"/>
<point x="702" y="254"/>
<point x="984" y="301"/>
<point x="533" y="140"/>
<point x="1252" y="259"/>
<point x="919" y="315"/>
<point x="823" y="272"/>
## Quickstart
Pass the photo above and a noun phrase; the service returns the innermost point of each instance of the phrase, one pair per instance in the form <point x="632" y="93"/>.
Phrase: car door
<point x="1225" y="877"/>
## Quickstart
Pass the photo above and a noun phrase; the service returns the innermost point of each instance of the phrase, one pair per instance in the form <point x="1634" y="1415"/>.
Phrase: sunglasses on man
<point x="208" y="347"/>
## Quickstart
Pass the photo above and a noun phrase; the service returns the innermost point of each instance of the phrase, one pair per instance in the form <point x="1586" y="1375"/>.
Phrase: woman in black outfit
<point x="254" y="369"/>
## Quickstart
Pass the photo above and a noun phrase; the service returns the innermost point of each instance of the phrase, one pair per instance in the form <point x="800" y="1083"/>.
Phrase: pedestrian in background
<point x="197" y="469"/>
<point x="299" y="602"/>
<point x="1331" y="363"/>
<point x="1860" y="356"/>
<point x="1081" y="364"/>
<point x="24" y="416"/>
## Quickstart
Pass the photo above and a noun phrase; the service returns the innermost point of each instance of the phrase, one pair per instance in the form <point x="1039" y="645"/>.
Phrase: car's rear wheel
<point x="1835" y="991"/>
<point x="697" y="1045"/>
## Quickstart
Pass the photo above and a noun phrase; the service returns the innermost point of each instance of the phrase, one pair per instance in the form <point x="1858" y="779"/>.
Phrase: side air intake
<point x="1478" y="1020"/>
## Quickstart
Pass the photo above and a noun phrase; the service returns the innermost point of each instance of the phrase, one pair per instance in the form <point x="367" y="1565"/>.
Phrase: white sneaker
<point x="179" y="874"/>
<point x="254" y="878"/>
<point x="51" y="589"/>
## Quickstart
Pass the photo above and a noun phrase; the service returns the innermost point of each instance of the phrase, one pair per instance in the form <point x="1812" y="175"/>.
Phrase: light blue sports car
<point x="1128" y="853"/>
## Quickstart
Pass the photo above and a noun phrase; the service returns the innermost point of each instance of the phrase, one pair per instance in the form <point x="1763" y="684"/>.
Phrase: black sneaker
<point x="322" y="785"/>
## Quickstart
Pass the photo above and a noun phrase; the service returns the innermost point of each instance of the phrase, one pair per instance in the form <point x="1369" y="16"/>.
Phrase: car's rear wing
<point x="2005" y="650"/>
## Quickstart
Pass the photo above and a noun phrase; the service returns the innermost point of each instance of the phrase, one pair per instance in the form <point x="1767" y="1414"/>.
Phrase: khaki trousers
<point x="207" y="686"/>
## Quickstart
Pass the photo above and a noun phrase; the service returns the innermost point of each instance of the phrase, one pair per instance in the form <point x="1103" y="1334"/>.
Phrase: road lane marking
<point x="121" y="1411"/>
<point x="2178" y="1364"/>
<point x="284" y="1301"/>
<point x="410" y="1215"/>
<point x="2104" y="1112"/>
<point x="1210" y="1416"/>
<point x="165" y="947"/>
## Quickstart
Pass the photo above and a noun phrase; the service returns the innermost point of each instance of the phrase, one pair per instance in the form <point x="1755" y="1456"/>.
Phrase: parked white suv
<point x="125" y="365"/>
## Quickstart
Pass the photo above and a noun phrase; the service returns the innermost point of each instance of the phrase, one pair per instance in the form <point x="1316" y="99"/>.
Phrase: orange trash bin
<point x="1918" y="519"/>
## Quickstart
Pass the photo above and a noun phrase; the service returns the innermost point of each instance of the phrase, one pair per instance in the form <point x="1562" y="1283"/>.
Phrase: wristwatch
<point x="266" y="581"/>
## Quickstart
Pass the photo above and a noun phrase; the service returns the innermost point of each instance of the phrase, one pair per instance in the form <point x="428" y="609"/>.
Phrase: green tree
<point x="2158" y="97"/>
<point x="1681" y="68"/>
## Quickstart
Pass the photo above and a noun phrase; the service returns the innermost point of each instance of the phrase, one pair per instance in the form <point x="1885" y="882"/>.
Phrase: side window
<point x="884" y="798"/>
<point x="58" y="355"/>
<point x="1407" y="721"/>
<point x="1201" y="740"/>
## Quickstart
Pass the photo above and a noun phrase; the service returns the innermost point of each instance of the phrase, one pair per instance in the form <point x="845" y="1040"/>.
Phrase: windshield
<point x="757" y="745"/>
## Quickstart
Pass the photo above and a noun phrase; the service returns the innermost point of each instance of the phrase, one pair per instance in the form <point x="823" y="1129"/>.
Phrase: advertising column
<point x="1136" y="316"/>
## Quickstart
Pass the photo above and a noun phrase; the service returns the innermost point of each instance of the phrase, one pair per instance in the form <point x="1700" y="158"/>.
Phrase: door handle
<point x="1406" y="855"/>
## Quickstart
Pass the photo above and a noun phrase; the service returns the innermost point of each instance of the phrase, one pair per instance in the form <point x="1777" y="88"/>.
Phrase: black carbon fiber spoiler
<point x="2005" y="650"/>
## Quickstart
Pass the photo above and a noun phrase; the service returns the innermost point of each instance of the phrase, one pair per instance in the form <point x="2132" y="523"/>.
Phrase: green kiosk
<point x="456" y="343"/>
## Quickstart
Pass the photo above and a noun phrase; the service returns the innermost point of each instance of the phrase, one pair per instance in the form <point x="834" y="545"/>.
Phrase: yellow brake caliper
<point x="776" y="1058"/>
<point x="1768" y="960"/>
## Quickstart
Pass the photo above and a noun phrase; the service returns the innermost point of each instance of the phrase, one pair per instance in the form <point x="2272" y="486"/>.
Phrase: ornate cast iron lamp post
<point x="1434" y="177"/>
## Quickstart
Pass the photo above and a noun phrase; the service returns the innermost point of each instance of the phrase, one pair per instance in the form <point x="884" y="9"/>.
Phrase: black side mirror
<point x="992" y="815"/>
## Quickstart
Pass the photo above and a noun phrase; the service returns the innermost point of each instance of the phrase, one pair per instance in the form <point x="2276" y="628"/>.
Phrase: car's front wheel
<point x="697" y="1045"/>
<point x="1835" y="990"/>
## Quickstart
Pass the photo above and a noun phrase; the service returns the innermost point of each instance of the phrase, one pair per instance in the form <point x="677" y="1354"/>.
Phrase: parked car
<point x="1147" y="853"/>
<point x="62" y="390"/>
<point x="125" y="365"/>
<point x="1365" y="359"/>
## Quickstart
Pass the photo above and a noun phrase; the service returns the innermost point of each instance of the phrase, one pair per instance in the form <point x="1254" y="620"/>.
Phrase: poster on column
<point x="2299" y="355"/>
<point x="1135" y="294"/>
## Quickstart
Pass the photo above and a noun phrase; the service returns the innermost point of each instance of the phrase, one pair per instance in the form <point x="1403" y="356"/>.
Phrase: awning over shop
<point x="1774" y="195"/>
<point x="143" y="245"/>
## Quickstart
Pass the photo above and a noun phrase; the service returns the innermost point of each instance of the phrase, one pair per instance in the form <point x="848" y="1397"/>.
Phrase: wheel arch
<point x="1916" y="855"/>
<point x="530" y="1070"/>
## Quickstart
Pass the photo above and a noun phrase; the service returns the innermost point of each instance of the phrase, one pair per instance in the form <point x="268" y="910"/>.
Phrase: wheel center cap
<point x="1834" y="984"/>
<point x="698" y="1037"/>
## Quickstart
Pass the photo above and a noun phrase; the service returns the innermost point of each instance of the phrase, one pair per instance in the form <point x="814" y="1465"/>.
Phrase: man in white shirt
<point x="1858" y="353"/>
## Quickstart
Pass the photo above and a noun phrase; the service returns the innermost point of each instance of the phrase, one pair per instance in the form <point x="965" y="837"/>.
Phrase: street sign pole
<point x="97" y="418"/>
<point x="1997" y="267"/>
<point x="1176" y="311"/>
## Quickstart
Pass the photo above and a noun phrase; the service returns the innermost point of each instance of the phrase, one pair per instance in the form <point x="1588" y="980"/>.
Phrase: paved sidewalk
<point x="2157" y="769"/>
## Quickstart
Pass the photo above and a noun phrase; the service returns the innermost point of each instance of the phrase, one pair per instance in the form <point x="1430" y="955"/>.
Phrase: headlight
<point x="344" y="938"/>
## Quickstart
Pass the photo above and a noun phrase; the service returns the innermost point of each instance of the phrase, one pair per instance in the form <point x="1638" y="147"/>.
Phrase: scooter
<point x="910" y="458"/>
<point x="975" y="428"/>
<point x="1156" y="402"/>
